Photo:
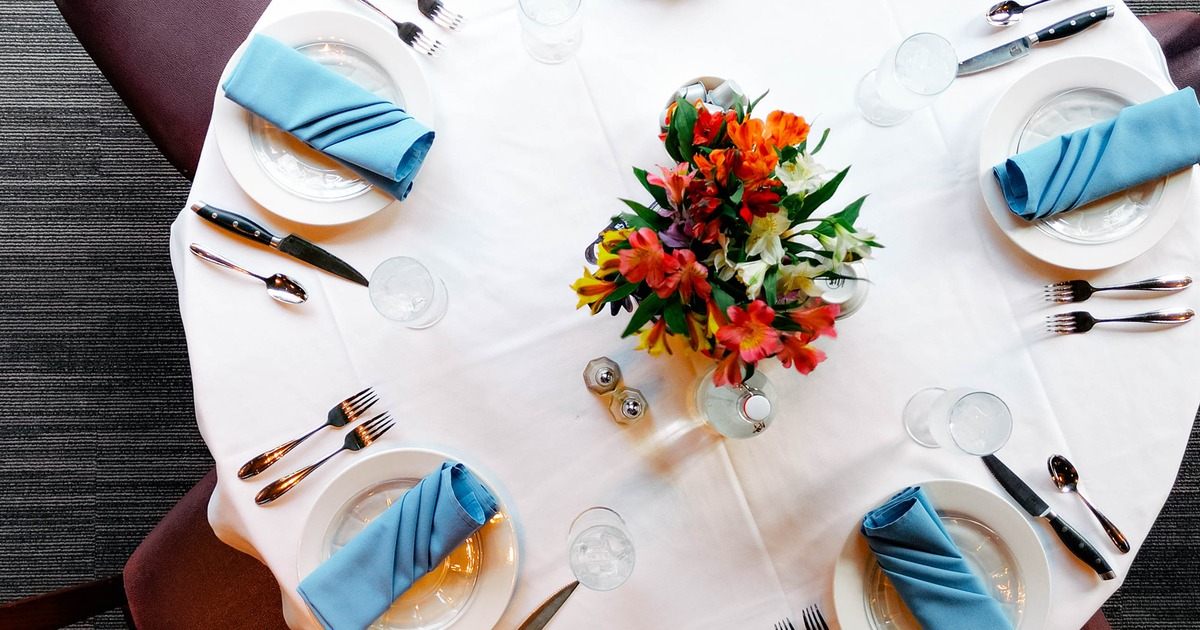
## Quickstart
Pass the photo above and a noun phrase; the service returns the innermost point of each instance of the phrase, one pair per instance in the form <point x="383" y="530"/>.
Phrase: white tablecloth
<point x="528" y="164"/>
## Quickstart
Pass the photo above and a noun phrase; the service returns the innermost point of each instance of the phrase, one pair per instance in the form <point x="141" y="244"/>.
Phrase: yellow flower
<point x="592" y="291"/>
<point x="654" y="339"/>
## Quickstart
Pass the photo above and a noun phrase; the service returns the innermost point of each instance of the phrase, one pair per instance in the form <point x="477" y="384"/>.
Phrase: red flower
<point x="749" y="331"/>
<point x="645" y="259"/>
<point x="796" y="351"/>
<point x="818" y="320"/>
<point x="758" y="203"/>
<point x="690" y="276"/>
<point x="708" y="125"/>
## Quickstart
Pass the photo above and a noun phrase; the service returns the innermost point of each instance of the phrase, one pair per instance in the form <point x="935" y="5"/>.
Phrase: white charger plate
<point x="995" y="539"/>
<point x="1060" y="97"/>
<point x="290" y="178"/>
<point x="470" y="589"/>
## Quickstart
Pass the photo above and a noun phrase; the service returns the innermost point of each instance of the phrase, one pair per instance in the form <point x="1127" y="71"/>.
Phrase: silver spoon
<point x="1067" y="479"/>
<point x="1008" y="12"/>
<point x="279" y="286"/>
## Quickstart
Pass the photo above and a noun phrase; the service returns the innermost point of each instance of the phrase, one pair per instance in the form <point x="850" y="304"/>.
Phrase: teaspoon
<point x="1008" y="12"/>
<point x="279" y="286"/>
<point x="1067" y="479"/>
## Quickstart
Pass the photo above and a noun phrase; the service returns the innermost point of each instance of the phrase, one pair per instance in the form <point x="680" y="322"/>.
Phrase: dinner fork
<point x="361" y="437"/>
<point x="1080" y="290"/>
<point x="410" y="34"/>
<point x="437" y="12"/>
<point x="813" y="619"/>
<point x="1081" y="321"/>
<point x="342" y="414"/>
<point x="786" y="624"/>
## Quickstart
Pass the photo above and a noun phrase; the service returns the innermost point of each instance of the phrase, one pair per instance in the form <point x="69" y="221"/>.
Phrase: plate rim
<point x="968" y="499"/>
<point x="230" y="121"/>
<point x="390" y="464"/>
<point x="1013" y="108"/>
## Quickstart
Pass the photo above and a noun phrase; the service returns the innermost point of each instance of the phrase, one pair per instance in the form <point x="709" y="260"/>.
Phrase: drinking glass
<point x="908" y="78"/>
<point x="551" y="29"/>
<point x="977" y="422"/>
<point x="404" y="290"/>
<point x="600" y="549"/>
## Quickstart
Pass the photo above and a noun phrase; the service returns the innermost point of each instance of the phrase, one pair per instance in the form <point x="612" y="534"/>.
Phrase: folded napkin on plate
<point x="924" y="565"/>
<point x="355" y="586"/>
<point x="368" y="134"/>
<point x="1142" y="143"/>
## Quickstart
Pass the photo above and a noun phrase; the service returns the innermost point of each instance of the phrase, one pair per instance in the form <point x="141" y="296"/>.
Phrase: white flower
<point x="719" y="260"/>
<point x="752" y="274"/>
<point x="802" y="175"/>
<point x="764" y="237"/>
<point x="800" y="277"/>
<point x="844" y="242"/>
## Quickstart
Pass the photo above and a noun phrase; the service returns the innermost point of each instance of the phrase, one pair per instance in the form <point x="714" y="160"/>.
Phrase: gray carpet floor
<point x="97" y="432"/>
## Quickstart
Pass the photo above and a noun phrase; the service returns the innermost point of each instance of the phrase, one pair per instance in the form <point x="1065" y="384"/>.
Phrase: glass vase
<point x="736" y="411"/>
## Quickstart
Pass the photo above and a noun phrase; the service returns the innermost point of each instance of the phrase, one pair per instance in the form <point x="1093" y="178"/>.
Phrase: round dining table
<point x="529" y="163"/>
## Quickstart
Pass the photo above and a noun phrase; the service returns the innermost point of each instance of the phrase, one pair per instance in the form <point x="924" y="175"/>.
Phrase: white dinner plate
<point x="995" y="539"/>
<point x="1060" y="97"/>
<point x="290" y="178"/>
<point x="470" y="589"/>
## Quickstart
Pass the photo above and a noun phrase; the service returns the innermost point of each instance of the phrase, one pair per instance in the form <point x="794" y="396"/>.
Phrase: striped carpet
<point x="97" y="432"/>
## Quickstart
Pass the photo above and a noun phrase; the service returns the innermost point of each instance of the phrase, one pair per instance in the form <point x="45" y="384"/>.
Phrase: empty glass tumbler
<point x="908" y="78"/>
<point x="977" y="422"/>
<point x="551" y="30"/>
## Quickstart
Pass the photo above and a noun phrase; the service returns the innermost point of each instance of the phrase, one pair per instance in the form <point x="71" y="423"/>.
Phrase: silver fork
<point x="411" y="34"/>
<point x="1080" y="290"/>
<point x="786" y="624"/>
<point x="361" y="437"/>
<point x="1081" y="321"/>
<point x="813" y="619"/>
<point x="437" y="12"/>
<point x="342" y="414"/>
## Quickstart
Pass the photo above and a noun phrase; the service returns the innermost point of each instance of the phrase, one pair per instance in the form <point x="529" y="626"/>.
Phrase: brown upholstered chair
<point x="181" y="577"/>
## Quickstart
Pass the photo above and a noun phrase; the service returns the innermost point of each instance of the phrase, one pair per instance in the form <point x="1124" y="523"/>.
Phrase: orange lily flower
<point x="592" y="291"/>
<point x="646" y="260"/>
<point x="689" y="277"/>
<point x="749" y="331"/>
<point x="797" y="352"/>
<point x="785" y="129"/>
<point x="817" y="320"/>
<point x="715" y="167"/>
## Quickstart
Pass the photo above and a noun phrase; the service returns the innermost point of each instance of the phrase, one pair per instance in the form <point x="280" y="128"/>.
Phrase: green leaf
<point x="676" y="321"/>
<point x="770" y="279"/>
<point x="813" y="200"/>
<point x="657" y="192"/>
<point x="723" y="299"/>
<point x="750" y="110"/>
<point x="646" y="214"/>
<point x="736" y="197"/>
<point x="850" y="213"/>
<point x="824" y="137"/>
<point x="621" y="292"/>
<point x="636" y="222"/>
<point x="787" y="154"/>
<point x="683" y="124"/>
<point x="649" y="307"/>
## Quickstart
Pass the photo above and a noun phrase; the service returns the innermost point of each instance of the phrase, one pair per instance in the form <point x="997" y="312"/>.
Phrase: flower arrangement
<point x="726" y="258"/>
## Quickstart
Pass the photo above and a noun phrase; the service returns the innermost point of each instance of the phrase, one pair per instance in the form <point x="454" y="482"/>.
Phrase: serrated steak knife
<point x="291" y="244"/>
<point x="1016" y="49"/>
<point x="1034" y="504"/>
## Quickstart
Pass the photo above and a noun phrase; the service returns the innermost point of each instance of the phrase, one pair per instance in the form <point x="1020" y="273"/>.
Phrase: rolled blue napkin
<point x="368" y="134"/>
<point x="1143" y="142"/>
<point x="924" y="565"/>
<point x="359" y="582"/>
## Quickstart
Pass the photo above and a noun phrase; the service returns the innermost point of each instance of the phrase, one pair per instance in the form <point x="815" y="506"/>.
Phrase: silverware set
<point x="1072" y="291"/>
<point x="811" y="617"/>
<point x="343" y="413"/>
<point x="414" y="35"/>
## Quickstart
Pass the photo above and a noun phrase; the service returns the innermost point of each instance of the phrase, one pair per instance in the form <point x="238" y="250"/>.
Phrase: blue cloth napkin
<point x="1144" y="142"/>
<point x="924" y="565"/>
<point x="370" y="135"/>
<point x="359" y="582"/>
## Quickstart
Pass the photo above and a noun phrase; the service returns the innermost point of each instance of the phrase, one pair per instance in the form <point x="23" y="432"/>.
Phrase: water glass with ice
<point x="551" y="29"/>
<point x="908" y="78"/>
<point x="405" y="290"/>
<point x="600" y="549"/>
<point x="977" y="422"/>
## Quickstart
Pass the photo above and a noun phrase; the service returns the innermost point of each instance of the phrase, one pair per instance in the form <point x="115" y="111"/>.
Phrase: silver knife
<point x="542" y="615"/>
<point x="291" y="244"/>
<point x="1015" y="50"/>
<point x="1032" y="503"/>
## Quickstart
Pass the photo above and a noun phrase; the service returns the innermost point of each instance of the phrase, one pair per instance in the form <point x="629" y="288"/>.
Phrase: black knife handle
<point x="1082" y="549"/>
<point x="235" y="223"/>
<point x="1075" y="24"/>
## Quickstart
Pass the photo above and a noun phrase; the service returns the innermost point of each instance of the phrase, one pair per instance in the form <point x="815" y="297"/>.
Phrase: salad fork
<point x="342" y="414"/>
<point x="410" y="34"/>
<point x="361" y="437"/>
<point x="1080" y="290"/>
<point x="438" y="14"/>
<point x="786" y="624"/>
<point x="813" y="619"/>
<point x="1081" y="321"/>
